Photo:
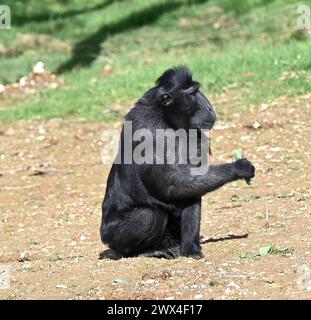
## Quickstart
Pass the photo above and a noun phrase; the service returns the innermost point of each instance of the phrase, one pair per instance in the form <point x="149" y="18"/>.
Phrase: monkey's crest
<point x="176" y="77"/>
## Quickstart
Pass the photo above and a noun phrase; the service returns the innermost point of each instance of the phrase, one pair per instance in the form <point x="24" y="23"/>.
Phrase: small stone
<point x="256" y="125"/>
<point x="82" y="237"/>
<point x="24" y="256"/>
<point x="108" y="69"/>
<point x="38" y="68"/>
<point x="150" y="281"/>
<point x="120" y="281"/>
<point x="22" y="81"/>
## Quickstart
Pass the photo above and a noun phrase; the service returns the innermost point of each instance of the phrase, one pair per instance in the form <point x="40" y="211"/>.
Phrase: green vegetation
<point x="263" y="251"/>
<point x="250" y="48"/>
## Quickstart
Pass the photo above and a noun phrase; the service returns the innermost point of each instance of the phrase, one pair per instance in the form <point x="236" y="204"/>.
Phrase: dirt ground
<point x="52" y="182"/>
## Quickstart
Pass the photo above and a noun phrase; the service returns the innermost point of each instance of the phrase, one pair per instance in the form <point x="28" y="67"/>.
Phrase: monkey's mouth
<point x="207" y="125"/>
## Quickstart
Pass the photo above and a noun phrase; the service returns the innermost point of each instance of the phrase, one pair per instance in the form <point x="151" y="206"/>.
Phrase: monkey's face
<point x="202" y="114"/>
<point x="190" y="109"/>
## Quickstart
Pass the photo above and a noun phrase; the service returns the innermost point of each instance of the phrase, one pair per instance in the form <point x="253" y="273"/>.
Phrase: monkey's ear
<point x="166" y="99"/>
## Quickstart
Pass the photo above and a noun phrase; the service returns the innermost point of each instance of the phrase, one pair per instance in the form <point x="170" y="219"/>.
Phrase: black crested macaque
<point x="153" y="209"/>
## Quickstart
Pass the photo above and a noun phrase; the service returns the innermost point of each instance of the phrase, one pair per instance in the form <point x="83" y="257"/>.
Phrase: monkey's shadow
<point x="112" y="255"/>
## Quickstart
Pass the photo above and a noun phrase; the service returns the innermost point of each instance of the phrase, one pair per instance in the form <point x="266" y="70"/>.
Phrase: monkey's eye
<point x="193" y="93"/>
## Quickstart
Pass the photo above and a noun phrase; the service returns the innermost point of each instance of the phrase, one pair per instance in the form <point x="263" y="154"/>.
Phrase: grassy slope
<point x="244" y="45"/>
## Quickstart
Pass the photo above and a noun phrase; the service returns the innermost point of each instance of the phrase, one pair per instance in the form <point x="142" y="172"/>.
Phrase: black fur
<point x="154" y="210"/>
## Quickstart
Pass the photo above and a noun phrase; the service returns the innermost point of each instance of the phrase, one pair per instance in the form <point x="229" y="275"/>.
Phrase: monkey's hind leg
<point x="169" y="248"/>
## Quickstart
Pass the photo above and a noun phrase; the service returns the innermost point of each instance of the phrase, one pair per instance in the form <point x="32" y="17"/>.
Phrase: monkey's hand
<point x="244" y="169"/>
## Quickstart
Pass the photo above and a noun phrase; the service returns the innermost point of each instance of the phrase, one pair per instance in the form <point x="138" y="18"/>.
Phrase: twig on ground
<point x="8" y="188"/>
<point x="39" y="172"/>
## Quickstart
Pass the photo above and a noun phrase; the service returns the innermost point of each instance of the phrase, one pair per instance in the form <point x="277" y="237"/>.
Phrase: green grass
<point x="246" y="47"/>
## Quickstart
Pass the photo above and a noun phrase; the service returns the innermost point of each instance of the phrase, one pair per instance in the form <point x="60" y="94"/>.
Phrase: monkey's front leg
<point x="219" y="175"/>
<point x="190" y="231"/>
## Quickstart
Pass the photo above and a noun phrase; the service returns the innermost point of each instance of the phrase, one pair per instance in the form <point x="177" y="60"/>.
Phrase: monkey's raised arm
<point x="176" y="182"/>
